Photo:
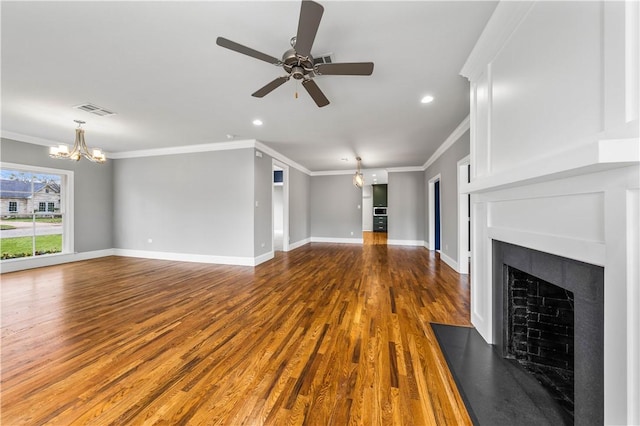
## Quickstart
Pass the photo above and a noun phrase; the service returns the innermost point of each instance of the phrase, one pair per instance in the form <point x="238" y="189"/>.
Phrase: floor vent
<point x="94" y="109"/>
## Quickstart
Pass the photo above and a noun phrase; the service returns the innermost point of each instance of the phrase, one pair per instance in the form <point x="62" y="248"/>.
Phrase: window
<point x="25" y="193"/>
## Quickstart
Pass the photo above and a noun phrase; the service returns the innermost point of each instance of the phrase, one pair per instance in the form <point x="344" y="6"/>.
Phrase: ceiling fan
<point x="297" y="61"/>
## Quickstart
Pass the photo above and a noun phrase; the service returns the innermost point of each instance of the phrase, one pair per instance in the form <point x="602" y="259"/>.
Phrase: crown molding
<point x="28" y="139"/>
<point x="453" y="137"/>
<point x="275" y="154"/>
<point x="333" y="172"/>
<point x="503" y="22"/>
<point x="186" y="149"/>
<point x="405" y="169"/>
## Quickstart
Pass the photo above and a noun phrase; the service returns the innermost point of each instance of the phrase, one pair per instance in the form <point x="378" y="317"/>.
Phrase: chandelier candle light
<point x="79" y="149"/>
<point x="358" y="179"/>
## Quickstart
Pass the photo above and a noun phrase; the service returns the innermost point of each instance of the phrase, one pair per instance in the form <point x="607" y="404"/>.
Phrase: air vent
<point x="94" y="109"/>
<point x="324" y="59"/>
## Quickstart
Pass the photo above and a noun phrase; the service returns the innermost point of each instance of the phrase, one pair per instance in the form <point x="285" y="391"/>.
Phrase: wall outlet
<point x="352" y="233"/>
<point x="257" y="203"/>
<point x="446" y="246"/>
<point x="358" y="206"/>
<point x="262" y="245"/>
<point x="150" y="240"/>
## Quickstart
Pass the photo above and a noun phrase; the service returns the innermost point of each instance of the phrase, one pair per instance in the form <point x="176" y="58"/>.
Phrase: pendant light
<point x="79" y="149"/>
<point x="358" y="179"/>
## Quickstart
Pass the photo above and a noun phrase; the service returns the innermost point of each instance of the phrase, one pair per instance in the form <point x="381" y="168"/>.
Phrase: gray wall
<point x="334" y="207"/>
<point x="93" y="192"/>
<point x="199" y="203"/>
<point x="447" y="166"/>
<point x="406" y="201"/>
<point x="262" y="222"/>
<point x="299" y="206"/>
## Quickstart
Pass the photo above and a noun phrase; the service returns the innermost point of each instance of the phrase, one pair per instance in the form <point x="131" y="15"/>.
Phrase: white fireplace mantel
<point x="555" y="160"/>
<point x="598" y="156"/>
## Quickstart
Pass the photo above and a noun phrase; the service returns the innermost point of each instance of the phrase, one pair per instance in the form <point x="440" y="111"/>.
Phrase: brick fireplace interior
<point x="548" y="316"/>
<point x="540" y="333"/>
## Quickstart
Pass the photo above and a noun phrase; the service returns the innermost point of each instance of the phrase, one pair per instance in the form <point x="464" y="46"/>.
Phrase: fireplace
<point x="540" y="333"/>
<point x="548" y="316"/>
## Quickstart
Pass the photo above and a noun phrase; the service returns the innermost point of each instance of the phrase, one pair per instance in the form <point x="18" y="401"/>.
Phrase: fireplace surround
<point x="585" y="282"/>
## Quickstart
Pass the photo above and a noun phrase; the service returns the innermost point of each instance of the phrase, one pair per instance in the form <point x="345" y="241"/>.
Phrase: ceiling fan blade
<point x="310" y="16"/>
<point x="269" y="87"/>
<point x="314" y="91"/>
<point x="346" y="68"/>
<point x="232" y="45"/>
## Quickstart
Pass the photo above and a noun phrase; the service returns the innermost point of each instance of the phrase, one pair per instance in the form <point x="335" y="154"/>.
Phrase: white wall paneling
<point x="463" y="216"/>
<point x="633" y="302"/>
<point x="554" y="159"/>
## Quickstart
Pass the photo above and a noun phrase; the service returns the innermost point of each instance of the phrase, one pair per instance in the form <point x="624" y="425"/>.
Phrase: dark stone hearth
<point x="496" y="391"/>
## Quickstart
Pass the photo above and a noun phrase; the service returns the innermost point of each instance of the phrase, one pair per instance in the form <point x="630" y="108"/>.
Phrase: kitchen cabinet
<point x="379" y="195"/>
<point x="380" y="223"/>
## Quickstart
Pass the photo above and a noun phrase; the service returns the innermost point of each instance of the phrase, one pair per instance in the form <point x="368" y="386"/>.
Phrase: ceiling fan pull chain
<point x="296" y="93"/>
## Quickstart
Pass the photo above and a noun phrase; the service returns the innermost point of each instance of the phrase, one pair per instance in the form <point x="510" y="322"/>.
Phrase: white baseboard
<point x="263" y="258"/>
<point x="415" y="243"/>
<point x="336" y="240"/>
<point x="449" y="261"/>
<point x="22" y="263"/>
<point x="186" y="257"/>
<point x="297" y="244"/>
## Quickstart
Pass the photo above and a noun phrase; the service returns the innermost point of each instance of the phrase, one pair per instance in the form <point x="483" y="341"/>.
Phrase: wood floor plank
<point x="326" y="334"/>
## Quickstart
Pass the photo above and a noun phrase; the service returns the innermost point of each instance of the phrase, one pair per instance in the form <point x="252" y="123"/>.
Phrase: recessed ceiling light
<point x="257" y="122"/>
<point x="374" y="175"/>
<point x="427" y="99"/>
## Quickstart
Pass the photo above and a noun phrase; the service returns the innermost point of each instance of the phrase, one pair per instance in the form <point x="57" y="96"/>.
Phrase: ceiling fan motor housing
<point x="296" y="65"/>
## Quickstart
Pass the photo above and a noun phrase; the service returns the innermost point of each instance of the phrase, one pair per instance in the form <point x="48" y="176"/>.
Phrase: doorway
<point x="280" y="206"/>
<point x="435" y="222"/>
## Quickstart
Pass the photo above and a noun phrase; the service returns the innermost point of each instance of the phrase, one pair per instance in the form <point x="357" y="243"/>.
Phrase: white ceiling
<point x="157" y="66"/>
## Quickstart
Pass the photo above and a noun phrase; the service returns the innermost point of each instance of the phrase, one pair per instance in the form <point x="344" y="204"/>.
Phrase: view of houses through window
<point x="31" y="213"/>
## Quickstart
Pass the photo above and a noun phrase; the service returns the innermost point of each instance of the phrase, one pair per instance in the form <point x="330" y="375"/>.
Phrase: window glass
<point x="32" y="213"/>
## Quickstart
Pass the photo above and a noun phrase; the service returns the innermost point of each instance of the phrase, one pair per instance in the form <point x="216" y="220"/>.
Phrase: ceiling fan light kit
<point x="297" y="62"/>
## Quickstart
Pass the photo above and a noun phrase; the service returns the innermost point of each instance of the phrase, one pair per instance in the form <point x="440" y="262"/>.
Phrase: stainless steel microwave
<point x="379" y="211"/>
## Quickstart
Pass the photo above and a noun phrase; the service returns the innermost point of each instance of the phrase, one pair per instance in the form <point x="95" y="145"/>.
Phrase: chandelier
<point x="79" y="149"/>
<point x="358" y="179"/>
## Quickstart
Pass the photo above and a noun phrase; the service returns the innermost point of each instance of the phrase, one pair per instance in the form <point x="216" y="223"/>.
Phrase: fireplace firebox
<point x="548" y="316"/>
<point x="540" y="332"/>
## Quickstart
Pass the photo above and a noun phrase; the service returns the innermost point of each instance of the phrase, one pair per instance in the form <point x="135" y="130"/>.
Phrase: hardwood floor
<point x="374" y="238"/>
<point x="326" y="334"/>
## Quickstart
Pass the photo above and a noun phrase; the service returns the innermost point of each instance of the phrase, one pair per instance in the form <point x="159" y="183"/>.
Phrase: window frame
<point x="66" y="203"/>
<point x="13" y="204"/>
